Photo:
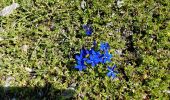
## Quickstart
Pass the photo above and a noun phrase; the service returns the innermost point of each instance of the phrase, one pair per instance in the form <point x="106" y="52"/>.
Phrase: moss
<point x="44" y="36"/>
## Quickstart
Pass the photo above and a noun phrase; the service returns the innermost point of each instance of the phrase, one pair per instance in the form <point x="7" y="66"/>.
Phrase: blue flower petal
<point x="104" y="46"/>
<point x="88" y="32"/>
<point x="109" y="74"/>
<point x="77" y="57"/>
<point x="79" y="62"/>
<point x="93" y="64"/>
<point x="113" y="75"/>
<point x="79" y="67"/>
<point x="88" y="61"/>
<point x="109" y="60"/>
<point x="114" y="66"/>
<point x="109" y="68"/>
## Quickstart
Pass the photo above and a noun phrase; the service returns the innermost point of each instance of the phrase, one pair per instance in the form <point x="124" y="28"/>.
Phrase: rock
<point x="120" y="3"/>
<point x="1" y="39"/>
<point x="8" y="81"/>
<point x="28" y="69"/>
<point x="83" y="4"/>
<point x="25" y="48"/>
<point x="118" y="52"/>
<point x="167" y="91"/>
<point x="9" y="9"/>
<point x="1" y="29"/>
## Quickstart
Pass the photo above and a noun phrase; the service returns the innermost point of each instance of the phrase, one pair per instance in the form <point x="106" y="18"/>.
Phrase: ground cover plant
<point x="41" y="43"/>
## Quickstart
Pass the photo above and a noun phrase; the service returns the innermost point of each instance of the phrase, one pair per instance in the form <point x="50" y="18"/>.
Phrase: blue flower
<point x="88" y="29"/>
<point x="80" y="66"/>
<point x="106" y="57"/>
<point x="80" y="62"/>
<point x="83" y="52"/>
<point x="112" y="73"/>
<point x="80" y="59"/>
<point x="94" y="59"/>
<point x="104" y="46"/>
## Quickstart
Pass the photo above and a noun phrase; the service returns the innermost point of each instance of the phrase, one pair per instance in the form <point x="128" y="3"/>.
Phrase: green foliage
<point x="39" y="39"/>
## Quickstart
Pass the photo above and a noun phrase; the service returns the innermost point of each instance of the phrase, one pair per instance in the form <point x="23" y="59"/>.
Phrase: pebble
<point x="9" y="9"/>
<point x="83" y="4"/>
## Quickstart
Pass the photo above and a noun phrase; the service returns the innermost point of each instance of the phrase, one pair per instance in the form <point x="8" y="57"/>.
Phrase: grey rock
<point x="9" y="9"/>
<point x="83" y="4"/>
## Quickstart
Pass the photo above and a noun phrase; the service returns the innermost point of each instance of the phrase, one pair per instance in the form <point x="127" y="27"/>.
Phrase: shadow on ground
<point x="35" y="93"/>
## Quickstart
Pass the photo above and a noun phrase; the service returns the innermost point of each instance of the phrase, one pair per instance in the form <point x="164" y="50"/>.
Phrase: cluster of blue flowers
<point x="93" y="57"/>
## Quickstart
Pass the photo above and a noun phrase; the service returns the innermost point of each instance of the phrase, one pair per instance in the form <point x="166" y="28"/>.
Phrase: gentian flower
<point x="80" y="66"/>
<point x="104" y="46"/>
<point x="95" y="58"/>
<point x="83" y="52"/>
<point x="106" y="57"/>
<point x="80" y="62"/>
<point x="112" y="73"/>
<point x="80" y="59"/>
<point x="88" y="29"/>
